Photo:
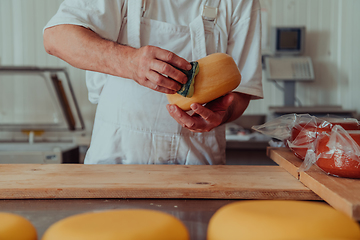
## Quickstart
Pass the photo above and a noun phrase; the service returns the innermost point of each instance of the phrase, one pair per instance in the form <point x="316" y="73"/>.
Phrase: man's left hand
<point x="204" y="118"/>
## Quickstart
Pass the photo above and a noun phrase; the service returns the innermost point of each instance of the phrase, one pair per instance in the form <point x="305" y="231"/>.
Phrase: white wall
<point x="21" y="44"/>
<point x="332" y="42"/>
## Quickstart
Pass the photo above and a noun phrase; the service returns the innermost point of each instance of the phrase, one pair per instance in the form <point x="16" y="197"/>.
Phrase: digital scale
<point x="40" y="117"/>
<point x="286" y="63"/>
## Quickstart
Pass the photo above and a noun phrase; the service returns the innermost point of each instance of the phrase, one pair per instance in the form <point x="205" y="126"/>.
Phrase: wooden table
<point x="47" y="193"/>
<point x="34" y="181"/>
<point x="341" y="193"/>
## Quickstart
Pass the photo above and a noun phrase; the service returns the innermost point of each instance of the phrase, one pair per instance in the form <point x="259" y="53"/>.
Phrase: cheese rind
<point x="128" y="224"/>
<point x="281" y="220"/>
<point x="15" y="227"/>
<point x="218" y="75"/>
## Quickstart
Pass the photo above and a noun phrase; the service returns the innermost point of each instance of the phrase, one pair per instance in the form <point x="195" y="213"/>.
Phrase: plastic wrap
<point x="322" y="141"/>
<point x="304" y="133"/>
<point x="279" y="128"/>
<point x="336" y="152"/>
<point x="298" y="132"/>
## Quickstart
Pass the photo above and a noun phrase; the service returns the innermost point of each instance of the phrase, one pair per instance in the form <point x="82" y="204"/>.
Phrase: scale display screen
<point x="288" y="40"/>
<point x="287" y="63"/>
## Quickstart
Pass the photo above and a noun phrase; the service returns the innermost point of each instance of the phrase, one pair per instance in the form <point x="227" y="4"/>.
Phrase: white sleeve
<point x="244" y="45"/>
<point x="101" y="16"/>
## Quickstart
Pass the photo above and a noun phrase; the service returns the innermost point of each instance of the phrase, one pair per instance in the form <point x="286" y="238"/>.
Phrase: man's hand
<point x="85" y="49"/>
<point x="215" y="113"/>
<point x="152" y="67"/>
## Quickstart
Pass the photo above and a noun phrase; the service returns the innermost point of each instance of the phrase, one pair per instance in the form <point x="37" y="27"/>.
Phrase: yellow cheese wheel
<point x="130" y="224"/>
<point x="281" y="220"/>
<point x="218" y="75"/>
<point x="15" y="227"/>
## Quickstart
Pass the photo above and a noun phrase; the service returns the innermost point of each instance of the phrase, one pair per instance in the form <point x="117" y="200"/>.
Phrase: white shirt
<point x="240" y="31"/>
<point x="132" y="125"/>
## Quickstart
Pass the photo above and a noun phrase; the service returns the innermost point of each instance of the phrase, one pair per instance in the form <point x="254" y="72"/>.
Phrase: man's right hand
<point x="148" y="65"/>
<point x="153" y="67"/>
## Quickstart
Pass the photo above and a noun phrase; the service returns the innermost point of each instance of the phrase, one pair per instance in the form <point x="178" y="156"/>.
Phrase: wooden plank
<point x="285" y="159"/>
<point x="35" y="181"/>
<point x="341" y="193"/>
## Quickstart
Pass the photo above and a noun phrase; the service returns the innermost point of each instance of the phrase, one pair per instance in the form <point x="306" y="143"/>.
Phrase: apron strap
<point x="197" y="29"/>
<point x="136" y="9"/>
<point x="197" y="33"/>
<point x="210" y="11"/>
<point x="213" y="3"/>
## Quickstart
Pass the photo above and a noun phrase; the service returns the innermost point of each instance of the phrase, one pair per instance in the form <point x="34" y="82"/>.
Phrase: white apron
<point x="132" y="124"/>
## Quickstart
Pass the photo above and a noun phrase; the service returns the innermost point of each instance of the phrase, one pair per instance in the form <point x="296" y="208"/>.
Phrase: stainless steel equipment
<point x="40" y="117"/>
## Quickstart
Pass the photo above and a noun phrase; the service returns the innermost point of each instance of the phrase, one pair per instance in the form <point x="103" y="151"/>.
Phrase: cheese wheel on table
<point x="15" y="227"/>
<point x="281" y="220"/>
<point x="130" y="224"/>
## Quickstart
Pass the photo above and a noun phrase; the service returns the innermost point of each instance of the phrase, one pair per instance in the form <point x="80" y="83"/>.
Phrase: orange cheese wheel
<point x="281" y="220"/>
<point x="218" y="75"/>
<point x="128" y="224"/>
<point x="15" y="227"/>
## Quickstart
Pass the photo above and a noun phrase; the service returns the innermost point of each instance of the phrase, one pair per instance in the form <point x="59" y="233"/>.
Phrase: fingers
<point x="158" y="88"/>
<point x="168" y="70"/>
<point x="164" y="61"/>
<point x="153" y="67"/>
<point x="211" y="118"/>
<point x="180" y="116"/>
<point x="172" y="59"/>
<point x="204" y="112"/>
<point x="212" y="110"/>
<point x="157" y="79"/>
<point x="204" y="118"/>
<point x="195" y="123"/>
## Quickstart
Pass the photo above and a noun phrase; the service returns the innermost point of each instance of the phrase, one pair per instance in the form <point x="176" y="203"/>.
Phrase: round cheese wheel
<point x="281" y="220"/>
<point x="128" y="224"/>
<point x="15" y="227"/>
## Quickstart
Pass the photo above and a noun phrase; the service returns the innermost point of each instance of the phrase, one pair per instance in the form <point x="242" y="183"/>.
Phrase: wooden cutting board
<point x="341" y="193"/>
<point x="29" y="181"/>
